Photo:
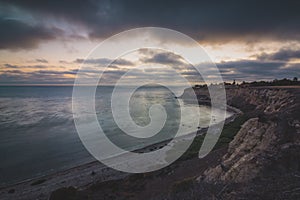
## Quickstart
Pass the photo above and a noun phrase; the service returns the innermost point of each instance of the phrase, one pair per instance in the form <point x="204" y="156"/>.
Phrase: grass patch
<point x="230" y="130"/>
<point x="227" y="135"/>
<point x="193" y="150"/>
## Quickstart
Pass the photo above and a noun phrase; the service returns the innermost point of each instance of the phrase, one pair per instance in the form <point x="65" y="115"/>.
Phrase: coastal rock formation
<point x="247" y="153"/>
<point x="266" y="141"/>
<point x="270" y="101"/>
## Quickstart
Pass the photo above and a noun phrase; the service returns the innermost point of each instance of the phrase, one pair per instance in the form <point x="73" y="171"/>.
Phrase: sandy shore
<point x="84" y="175"/>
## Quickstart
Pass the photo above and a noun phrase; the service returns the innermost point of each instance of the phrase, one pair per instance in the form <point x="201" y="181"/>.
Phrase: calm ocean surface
<point x="38" y="135"/>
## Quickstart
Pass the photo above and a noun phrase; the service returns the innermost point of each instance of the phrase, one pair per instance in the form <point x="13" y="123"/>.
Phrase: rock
<point x="246" y="153"/>
<point x="273" y="128"/>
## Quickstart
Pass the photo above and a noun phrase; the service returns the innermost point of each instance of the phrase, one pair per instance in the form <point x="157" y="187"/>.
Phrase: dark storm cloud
<point x="205" y="21"/>
<point x="37" y="72"/>
<point x="283" y="54"/>
<point x="250" y="70"/>
<point x="104" y="61"/>
<point x="270" y="67"/>
<point x="266" y="66"/>
<point x="16" y="34"/>
<point x="172" y="61"/>
<point x="9" y="66"/>
<point x="51" y="72"/>
<point x="11" y="79"/>
<point x="210" y="21"/>
<point x="253" y="67"/>
<point x="12" y="74"/>
<point x="167" y="58"/>
<point x="164" y="58"/>
<point x="36" y="77"/>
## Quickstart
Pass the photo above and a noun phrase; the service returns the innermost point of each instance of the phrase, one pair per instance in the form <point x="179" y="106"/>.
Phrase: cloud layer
<point x="266" y="66"/>
<point x="211" y="21"/>
<point x="27" y="24"/>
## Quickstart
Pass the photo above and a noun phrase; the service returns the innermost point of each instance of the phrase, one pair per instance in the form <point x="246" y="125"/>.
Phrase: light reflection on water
<point x="38" y="136"/>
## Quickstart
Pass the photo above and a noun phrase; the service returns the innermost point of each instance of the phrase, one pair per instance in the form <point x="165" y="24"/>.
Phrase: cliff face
<point x="269" y="141"/>
<point x="247" y="153"/>
<point x="270" y="101"/>
<point x="263" y="140"/>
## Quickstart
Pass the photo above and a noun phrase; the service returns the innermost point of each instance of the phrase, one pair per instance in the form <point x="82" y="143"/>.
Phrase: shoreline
<point x="84" y="175"/>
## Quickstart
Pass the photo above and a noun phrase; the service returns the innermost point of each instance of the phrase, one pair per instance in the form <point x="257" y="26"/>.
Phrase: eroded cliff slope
<point x="272" y="130"/>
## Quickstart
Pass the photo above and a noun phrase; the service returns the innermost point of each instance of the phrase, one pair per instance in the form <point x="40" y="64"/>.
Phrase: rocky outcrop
<point x="269" y="101"/>
<point x="247" y="153"/>
<point x="272" y="130"/>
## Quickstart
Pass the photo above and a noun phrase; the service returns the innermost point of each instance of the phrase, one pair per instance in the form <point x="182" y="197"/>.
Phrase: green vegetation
<point x="230" y="130"/>
<point x="193" y="149"/>
<point x="227" y="135"/>
<point x="276" y="82"/>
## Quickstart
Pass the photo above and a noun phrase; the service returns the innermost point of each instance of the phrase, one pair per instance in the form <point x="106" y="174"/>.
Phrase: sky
<point x="45" y="42"/>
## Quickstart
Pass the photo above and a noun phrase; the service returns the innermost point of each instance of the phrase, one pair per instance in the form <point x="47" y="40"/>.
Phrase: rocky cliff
<point x="267" y="143"/>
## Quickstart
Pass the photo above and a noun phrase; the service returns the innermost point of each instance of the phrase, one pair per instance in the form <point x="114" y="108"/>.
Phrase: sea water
<point x="38" y="135"/>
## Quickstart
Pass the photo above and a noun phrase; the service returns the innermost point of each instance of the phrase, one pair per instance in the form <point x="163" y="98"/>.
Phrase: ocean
<point x="38" y="135"/>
